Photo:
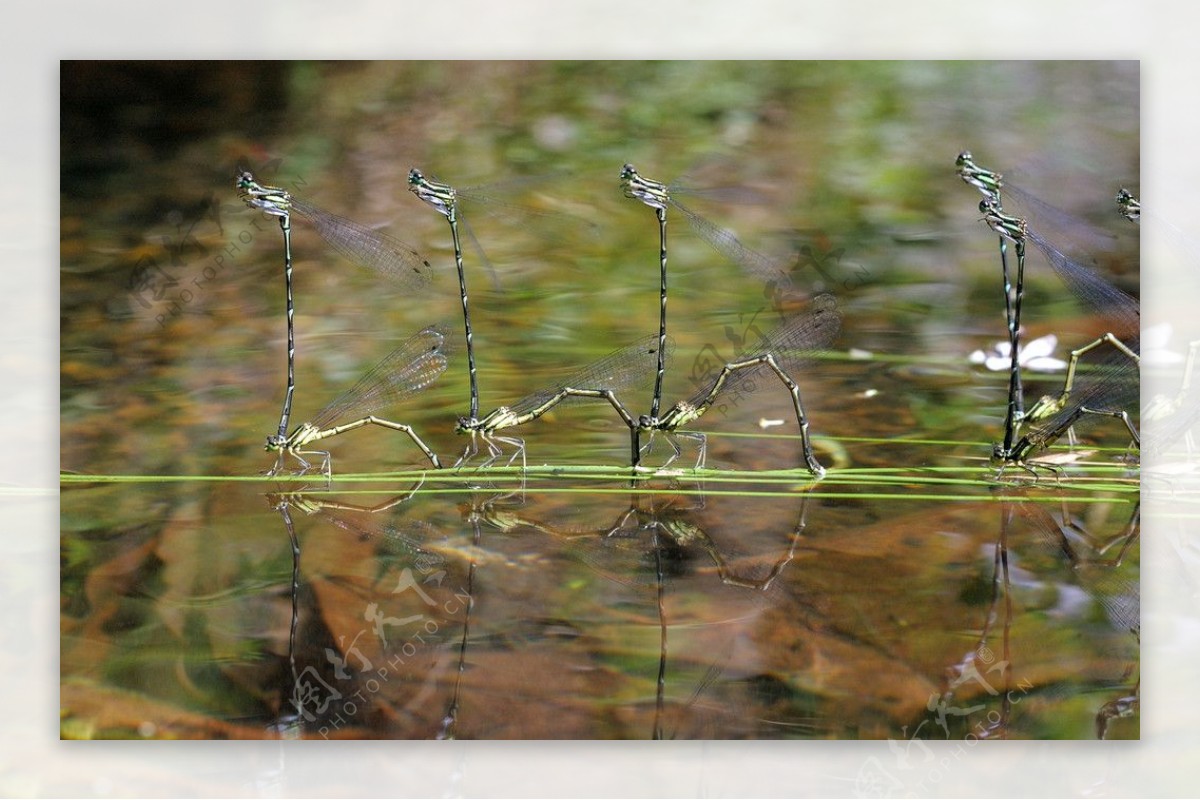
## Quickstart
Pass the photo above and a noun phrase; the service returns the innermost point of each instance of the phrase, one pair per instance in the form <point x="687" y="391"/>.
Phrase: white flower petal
<point x="1039" y="348"/>
<point x="1045" y="364"/>
<point x="998" y="363"/>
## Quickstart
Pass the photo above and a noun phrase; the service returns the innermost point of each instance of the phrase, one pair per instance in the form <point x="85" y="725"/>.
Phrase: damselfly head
<point x="635" y="187"/>
<point x="275" y="443"/>
<point x="439" y="195"/>
<point x="982" y="179"/>
<point x="1012" y="228"/>
<point x="248" y="188"/>
<point x="270" y="199"/>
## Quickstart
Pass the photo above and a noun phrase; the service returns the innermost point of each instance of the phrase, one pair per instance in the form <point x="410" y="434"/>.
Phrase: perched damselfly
<point x="1108" y="392"/>
<point x="1119" y="307"/>
<point x="408" y="369"/>
<point x="620" y="370"/>
<point x="659" y="196"/>
<point x="384" y="254"/>
<point x="789" y="347"/>
<point x="445" y="199"/>
<point x="989" y="183"/>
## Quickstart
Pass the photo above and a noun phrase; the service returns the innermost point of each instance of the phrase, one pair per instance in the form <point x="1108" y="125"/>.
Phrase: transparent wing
<point x="402" y="373"/>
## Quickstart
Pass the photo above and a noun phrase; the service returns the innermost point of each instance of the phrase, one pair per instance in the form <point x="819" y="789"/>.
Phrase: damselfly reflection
<point x="1038" y="559"/>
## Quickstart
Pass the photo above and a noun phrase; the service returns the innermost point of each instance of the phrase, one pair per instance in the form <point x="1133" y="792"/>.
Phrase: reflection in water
<point x="1054" y="541"/>
<point x="380" y="673"/>
<point x="340" y="692"/>
<point x="287" y="723"/>
<point x="450" y="721"/>
<point x="1122" y="707"/>
<point x="618" y="614"/>
<point x="679" y="530"/>
<point x="648" y="544"/>
<point x="655" y="539"/>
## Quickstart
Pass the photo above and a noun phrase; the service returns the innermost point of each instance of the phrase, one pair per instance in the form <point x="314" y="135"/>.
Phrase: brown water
<point x="900" y="597"/>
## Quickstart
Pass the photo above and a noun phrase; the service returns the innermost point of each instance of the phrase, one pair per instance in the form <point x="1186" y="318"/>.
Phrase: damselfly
<point x="1085" y="284"/>
<point x="622" y="369"/>
<point x="1108" y="393"/>
<point x="386" y="255"/>
<point x="1102" y="296"/>
<point x="405" y="371"/>
<point x="791" y="346"/>
<point x="659" y="196"/>
<point x="989" y="184"/>
<point x="445" y="200"/>
<point x="1169" y="419"/>
<point x="1129" y="206"/>
<point x="1049" y="405"/>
